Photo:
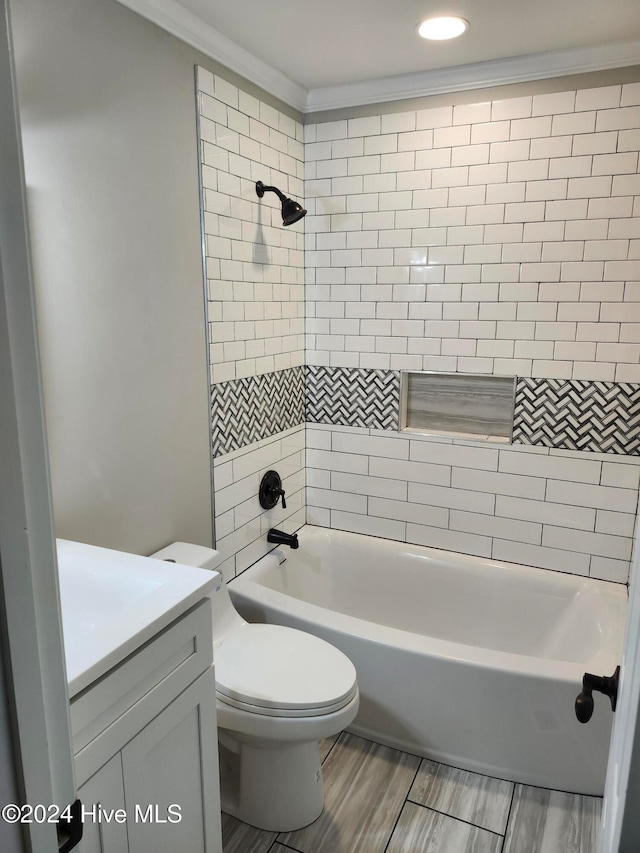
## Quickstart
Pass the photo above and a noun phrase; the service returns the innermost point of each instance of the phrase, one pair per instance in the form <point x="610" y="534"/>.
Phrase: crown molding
<point x="175" y="19"/>
<point x="477" y="75"/>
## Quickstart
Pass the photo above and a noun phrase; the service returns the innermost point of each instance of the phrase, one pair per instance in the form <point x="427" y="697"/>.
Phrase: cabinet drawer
<point x="110" y="711"/>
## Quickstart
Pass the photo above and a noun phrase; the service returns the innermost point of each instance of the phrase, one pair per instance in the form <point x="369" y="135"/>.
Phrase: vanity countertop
<point x="113" y="602"/>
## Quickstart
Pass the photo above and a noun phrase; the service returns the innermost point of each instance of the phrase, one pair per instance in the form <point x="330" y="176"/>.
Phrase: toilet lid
<point x="270" y="666"/>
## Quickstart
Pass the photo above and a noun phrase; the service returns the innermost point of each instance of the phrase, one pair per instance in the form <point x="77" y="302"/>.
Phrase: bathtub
<point x="464" y="660"/>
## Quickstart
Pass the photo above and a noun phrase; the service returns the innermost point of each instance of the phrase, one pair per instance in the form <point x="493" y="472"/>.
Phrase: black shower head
<point x="291" y="210"/>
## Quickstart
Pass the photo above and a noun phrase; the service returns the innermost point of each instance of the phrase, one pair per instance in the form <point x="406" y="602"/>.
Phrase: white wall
<point x="501" y="237"/>
<point x="497" y="237"/>
<point x="108" y="112"/>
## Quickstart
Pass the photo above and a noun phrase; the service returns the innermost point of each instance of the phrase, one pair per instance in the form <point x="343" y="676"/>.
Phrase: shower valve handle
<point x="603" y="684"/>
<point x="271" y="491"/>
<point x="279" y="493"/>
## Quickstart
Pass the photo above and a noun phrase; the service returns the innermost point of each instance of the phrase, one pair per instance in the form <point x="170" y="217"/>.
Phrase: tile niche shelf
<point x="461" y="405"/>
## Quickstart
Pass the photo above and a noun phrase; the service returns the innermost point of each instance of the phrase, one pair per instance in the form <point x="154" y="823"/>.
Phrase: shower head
<point x="291" y="210"/>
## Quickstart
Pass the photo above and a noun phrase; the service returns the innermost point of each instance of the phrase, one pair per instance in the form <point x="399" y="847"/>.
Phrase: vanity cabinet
<point x="145" y="743"/>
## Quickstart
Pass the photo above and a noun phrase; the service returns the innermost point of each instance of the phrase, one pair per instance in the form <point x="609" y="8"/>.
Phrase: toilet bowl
<point x="278" y="692"/>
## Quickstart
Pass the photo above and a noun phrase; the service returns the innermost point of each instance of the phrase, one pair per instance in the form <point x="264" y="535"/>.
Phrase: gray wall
<point x="108" y="115"/>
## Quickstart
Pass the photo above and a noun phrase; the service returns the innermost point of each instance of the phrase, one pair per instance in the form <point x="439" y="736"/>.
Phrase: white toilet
<point x="278" y="691"/>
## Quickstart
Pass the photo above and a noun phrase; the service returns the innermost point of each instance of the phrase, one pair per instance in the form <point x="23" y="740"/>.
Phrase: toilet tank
<point x="225" y="618"/>
<point x="189" y="555"/>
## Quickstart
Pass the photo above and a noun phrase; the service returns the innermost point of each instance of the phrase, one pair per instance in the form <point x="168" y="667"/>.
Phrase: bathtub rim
<point x="604" y="660"/>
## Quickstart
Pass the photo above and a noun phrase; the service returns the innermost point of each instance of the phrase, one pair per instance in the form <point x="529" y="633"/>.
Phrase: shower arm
<point x="261" y="189"/>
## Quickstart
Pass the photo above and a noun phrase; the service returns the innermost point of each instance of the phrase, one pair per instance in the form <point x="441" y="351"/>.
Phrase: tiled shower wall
<point x="255" y="311"/>
<point x="500" y="238"/>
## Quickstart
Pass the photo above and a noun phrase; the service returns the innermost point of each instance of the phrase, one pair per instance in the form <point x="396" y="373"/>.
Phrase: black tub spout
<point x="279" y="537"/>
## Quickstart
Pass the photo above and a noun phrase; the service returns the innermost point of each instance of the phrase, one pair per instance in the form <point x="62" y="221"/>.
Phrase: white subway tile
<point x="600" y="98"/>
<point x="573" y="123"/>
<point x="593" y="371"/>
<point x="615" y="523"/>
<point x="625" y="163"/>
<point x="489" y="174"/>
<point x="622" y="476"/>
<point x="499" y="527"/>
<point x="513" y="191"/>
<point x="403" y="511"/>
<point x="472" y="113"/>
<point x="552" y="369"/>
<point x="546" y="190"/>
<point x="599" y="497"/>
<point x="552" y="146"/>
<point x="415" y="140"/>
<point x="347" y="148"/>
<point x="608" y="208"/>
<point x="452" y="177"/>
<point x="511" y="108"/>
<point x="597" y="544"/>
<point x="331" y="499"/>
<point x="544" y="512"/>
<point x="592" y="187"/>
<point x="543" y="557"/>
<point x="532" y="211"/>
<point x="368" y="525"/>
<point x="630" y="94"/>
<point x="434" y="117"/>
<point x="499" y="483"/>
<point x="555" y="102"/>
<point x="437" y="474"/>
<point x="527" y="128"/>
<point x="605" y="569"/>
<point x="333" y="461"/>
<point x="385" y="144"/>
<point x="502" y="152"/>
<point x="495" y="131"/>
<point x="368" y="126"/>
<point x="317" y="438"/>
<point x="449" y="540"/>
<point x="575" y="470"/>
<point x="433" y="495"/>
<point x="437" y="158"/>
<point x="398" y="122"/>
<point x="618" y="119"/>
<point x="570" y="167"/>
<point x="563" y="251"/>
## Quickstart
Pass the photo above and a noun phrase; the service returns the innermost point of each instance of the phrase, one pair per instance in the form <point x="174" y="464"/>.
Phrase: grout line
<point x="506" y="828"/>
<point x="393" y="829"/>
<point x="455" y="817"/>
<point x="330" y="750"/>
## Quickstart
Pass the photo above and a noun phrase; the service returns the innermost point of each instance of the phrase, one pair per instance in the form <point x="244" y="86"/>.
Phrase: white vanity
<point x="139" y="656"/>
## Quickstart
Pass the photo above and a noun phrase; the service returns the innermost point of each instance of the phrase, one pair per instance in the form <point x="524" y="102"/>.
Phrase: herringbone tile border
<point x="603" y="417"/>
<point x="350" y="396"/>
<point x="255" y="407"/>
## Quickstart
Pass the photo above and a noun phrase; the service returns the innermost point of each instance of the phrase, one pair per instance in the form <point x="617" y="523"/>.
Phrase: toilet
<point x="278" y="692"/>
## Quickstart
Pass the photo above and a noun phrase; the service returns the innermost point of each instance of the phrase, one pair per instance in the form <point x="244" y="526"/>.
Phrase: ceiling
<point x="339" y="46"/>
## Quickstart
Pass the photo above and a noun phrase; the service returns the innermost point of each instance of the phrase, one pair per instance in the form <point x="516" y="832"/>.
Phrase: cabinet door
<point x="101" y="796"/>
<point x="171" y="783"/>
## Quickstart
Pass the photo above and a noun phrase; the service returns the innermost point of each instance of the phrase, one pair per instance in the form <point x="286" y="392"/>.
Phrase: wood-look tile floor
<point x="381" y="800"/>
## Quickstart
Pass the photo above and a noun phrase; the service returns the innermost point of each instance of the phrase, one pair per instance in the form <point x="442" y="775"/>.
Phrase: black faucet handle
<point x="271" y="491"/>
<point x="603" y="684"/>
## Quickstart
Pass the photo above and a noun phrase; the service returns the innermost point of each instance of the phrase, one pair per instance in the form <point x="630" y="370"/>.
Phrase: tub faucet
<point x="279" y="537"/>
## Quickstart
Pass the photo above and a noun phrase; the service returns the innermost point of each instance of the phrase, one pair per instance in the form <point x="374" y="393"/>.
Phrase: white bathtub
<point x="468" y="661"/>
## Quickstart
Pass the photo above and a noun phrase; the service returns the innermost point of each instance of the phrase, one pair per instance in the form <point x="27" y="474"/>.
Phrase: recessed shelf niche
<point x="458" y="404"/>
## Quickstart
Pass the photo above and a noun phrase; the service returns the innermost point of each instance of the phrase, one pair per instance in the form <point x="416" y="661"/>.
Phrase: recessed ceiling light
<point x="439" y="29"/>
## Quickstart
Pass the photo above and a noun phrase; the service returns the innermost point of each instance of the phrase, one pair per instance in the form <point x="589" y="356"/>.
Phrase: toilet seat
<point x="277" y="671"/>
